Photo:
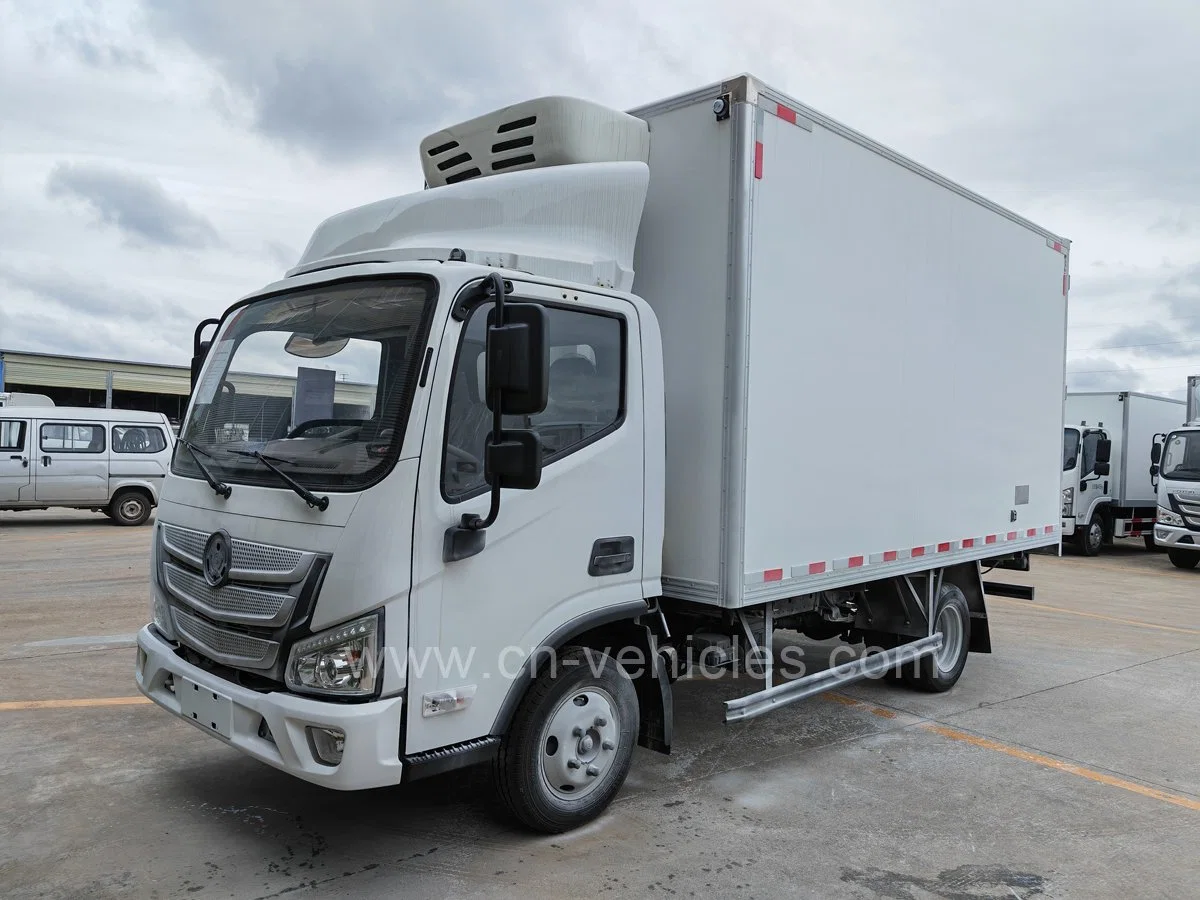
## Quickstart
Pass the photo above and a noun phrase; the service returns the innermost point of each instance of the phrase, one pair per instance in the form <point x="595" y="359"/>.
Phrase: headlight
<point x="342" y="660"/>
<point x="1166" y="517"/>
<point x="1068" y="501"/>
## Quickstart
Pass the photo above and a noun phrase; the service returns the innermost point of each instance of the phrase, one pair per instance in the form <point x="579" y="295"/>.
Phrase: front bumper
<point x="1174" y="538"/>
<point x="1068" y="526"/>
<point x="371" y="755"/>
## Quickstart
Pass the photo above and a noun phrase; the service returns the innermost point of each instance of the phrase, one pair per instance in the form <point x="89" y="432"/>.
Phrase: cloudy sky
<point x="160" y="158"/>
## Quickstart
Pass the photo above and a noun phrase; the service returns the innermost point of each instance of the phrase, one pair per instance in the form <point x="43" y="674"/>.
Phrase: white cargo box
<point x="864" y="362"/>
<point x="1130" y="420"/>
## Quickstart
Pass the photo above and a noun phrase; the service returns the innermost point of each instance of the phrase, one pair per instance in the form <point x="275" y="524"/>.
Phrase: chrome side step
<point x="753" y="705"/>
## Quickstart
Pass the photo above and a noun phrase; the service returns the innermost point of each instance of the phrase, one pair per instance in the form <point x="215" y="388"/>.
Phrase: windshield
<point x="1181" y="456"/>
<point x="320" y="380"/>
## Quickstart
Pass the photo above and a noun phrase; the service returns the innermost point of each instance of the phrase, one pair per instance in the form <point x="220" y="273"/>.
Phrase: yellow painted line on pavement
<point x="12" y="705"/>
<point x="1024" y="604"/>
<point x="1071" y="768"/>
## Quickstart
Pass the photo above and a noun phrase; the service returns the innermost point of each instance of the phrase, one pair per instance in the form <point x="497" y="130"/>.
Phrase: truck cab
<point x="1085" y="486"/>
<point x="1176" y="466"/>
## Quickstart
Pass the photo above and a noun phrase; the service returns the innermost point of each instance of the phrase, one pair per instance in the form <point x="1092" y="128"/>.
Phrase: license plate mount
<point x="209" y="709"/>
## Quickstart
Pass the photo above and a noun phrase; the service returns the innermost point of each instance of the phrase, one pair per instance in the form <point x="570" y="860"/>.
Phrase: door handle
<point x="46" y="460"/>
<point x="611" y="556"/>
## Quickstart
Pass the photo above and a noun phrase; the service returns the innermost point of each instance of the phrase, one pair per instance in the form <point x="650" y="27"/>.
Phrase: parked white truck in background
<point x="837" y="391"/>
<point x="1175" y="466"/>
<point x="1107" y="491"/>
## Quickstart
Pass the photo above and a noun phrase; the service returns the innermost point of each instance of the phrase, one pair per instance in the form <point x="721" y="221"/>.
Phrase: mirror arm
<point x="472" y="521"/>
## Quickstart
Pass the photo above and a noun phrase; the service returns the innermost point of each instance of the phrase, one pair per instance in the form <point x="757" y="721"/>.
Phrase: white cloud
<point x="260" y="119"/>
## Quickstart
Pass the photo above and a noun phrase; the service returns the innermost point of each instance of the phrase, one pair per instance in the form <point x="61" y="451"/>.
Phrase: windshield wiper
<point x="220" y="487"/>
<point x="313" y="501"/>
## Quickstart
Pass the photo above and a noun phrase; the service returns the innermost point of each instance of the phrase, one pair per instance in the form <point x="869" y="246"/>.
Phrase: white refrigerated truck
<point x="1175" y="467"/>
<point x="833" y="388"/>
<point x="1107" y="491"/>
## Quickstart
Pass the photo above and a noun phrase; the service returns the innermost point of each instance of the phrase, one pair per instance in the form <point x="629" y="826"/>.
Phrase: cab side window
<point x="586" y="394"/>
<point x="73" y="438"/>
<point x="1089" y="451"/>
<point x="12" y="436"/>
<point x="138" y="439"/>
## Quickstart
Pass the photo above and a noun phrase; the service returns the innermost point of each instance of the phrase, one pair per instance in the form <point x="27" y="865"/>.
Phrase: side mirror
<point x="198" y="361"/>
<point x="1102" y="468"/>
<point x="1103" y="454"/>
<point x="1154" y="470"/>
<point x="1156" y="454"/>
<point x="518" y="361"/>
<point x="514" y="461"/>
<point x="200" y="348"/>
<point x="517" y="380"/>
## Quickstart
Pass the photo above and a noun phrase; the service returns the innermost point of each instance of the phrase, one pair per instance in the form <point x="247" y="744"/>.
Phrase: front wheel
<point x="1090" y="538"/>
<point x="1184" y="559"/>
<point x="940" y="672"/>
<point x="571" y="742"/>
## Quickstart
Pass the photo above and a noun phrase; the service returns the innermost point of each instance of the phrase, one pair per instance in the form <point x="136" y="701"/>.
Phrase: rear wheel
<point x="129" y="508"/>
<point x="1184" y="559"/>
<point x="942" y="670"/>
<point x="570" y="744"/>
<point x="1090" y="537"/>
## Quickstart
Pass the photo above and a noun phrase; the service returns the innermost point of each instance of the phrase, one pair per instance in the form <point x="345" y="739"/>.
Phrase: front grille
<point x="230" y="603"/>
<point x="229" y="647"/>
<point x="248" y="622"/>
<point x="1190" y="511"/>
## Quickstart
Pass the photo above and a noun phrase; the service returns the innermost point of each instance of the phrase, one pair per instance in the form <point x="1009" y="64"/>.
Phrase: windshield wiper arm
<point x="313" y="501"/>
<point x="220" y="487"/>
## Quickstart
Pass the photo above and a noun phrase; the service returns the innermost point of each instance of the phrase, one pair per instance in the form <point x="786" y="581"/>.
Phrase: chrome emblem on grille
<point x="218" y="558"/>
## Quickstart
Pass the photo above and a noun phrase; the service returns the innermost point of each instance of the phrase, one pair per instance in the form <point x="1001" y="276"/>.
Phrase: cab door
<point x="557" y="553"/>
<point x="71" y="467"/>
<point x="15" y="455"/>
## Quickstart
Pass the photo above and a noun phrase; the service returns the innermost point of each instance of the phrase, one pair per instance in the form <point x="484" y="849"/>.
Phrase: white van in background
<point x="108" y="460"/>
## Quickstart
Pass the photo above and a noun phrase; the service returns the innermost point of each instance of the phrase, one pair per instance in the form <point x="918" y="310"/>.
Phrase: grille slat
<point x="231" y="603"/>
<point x="231" y="648"/>
<point x="251" y="561"/>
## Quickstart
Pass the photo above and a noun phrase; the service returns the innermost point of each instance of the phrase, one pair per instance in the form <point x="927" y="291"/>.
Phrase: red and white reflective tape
<point x="827" y="567"/>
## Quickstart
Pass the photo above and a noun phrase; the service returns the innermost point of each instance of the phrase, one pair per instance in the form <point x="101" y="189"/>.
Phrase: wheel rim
<point x="950" y="624"/>
<point x="1095" y="535"/>
<point x="131" y="508"/>
<point x="579" y="743"/>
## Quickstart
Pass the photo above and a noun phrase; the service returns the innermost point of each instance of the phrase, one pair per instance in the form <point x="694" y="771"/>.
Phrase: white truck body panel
<point x="794" y="307"/>
<point x="1130" y="420"/>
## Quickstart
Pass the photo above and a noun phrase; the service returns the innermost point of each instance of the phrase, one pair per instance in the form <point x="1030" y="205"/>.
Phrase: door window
<point x="1090" y="440"/>
<point x="12" y="436"/>
<point x="138" y="439"/>
<point x="586" y="394"/>
<point x="66" y="438"/>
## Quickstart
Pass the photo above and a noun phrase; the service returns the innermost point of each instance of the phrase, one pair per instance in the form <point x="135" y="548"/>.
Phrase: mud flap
<point x="968" y="578"/>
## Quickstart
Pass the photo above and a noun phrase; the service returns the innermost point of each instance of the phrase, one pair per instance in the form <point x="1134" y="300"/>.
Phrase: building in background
<point x="154" y="387"/>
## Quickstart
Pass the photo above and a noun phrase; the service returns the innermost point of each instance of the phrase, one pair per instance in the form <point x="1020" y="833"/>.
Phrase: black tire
<point x="531" y="754"/>
<point x="941" y="671"/>
<point x="1184" y="559"/>
<point x="130" y="507"/>
<point x="1090" y="538"/>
